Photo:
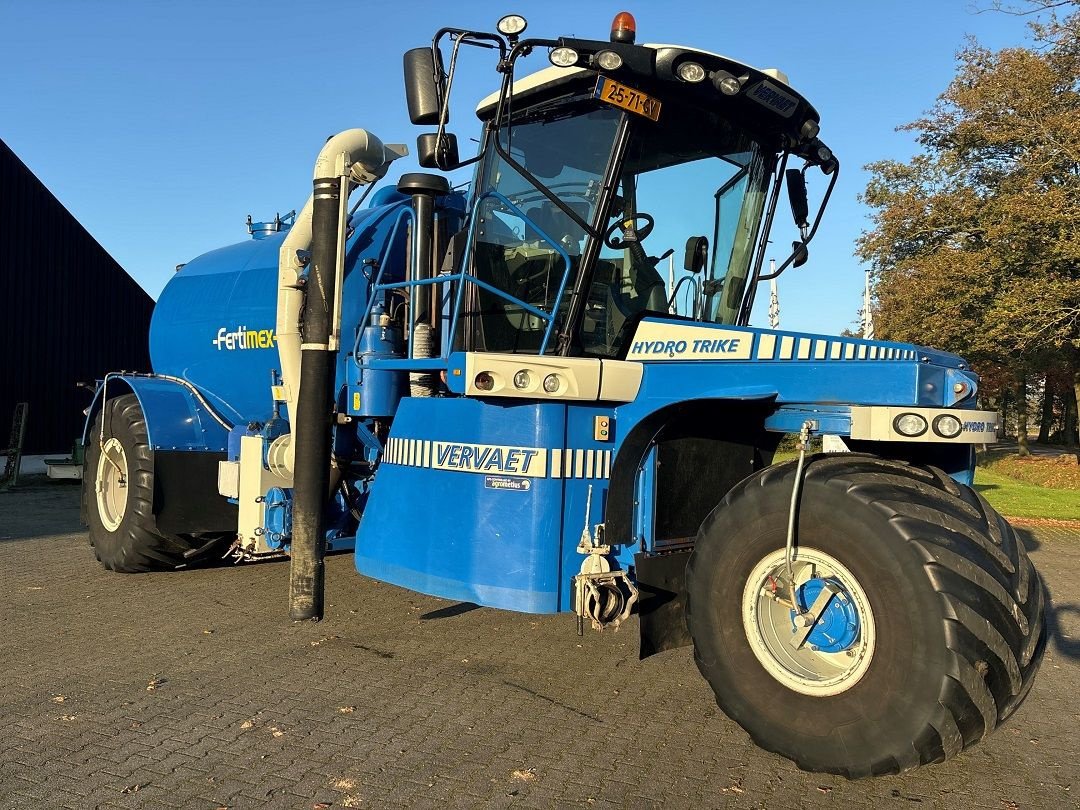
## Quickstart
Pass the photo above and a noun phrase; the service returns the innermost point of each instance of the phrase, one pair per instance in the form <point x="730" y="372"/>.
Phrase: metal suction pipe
<point x="362" y="157"/>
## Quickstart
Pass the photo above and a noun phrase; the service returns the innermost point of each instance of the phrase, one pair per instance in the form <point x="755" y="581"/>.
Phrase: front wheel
<point x="919" y="626"/>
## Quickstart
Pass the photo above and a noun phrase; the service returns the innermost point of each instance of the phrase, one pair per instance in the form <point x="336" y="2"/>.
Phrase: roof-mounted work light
<point x="512" y="25"/>
<point x="624" y="28"/>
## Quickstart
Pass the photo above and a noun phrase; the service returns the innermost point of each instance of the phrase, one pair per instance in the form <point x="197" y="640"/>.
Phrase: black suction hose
<point x="312" y="421"/>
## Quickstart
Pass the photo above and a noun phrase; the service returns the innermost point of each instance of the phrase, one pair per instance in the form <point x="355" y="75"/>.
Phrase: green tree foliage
<point x="975" y="244"/>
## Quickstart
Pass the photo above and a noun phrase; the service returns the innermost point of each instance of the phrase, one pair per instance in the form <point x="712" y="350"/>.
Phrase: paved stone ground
<point x="192" y="690"/>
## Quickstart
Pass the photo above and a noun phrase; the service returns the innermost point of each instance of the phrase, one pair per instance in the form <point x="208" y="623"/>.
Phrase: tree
<point x="975" y="244"/>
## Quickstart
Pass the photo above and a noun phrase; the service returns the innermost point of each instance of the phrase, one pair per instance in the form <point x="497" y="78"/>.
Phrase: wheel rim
<point x="110" y="484"/>
<point x="838" y="648"/>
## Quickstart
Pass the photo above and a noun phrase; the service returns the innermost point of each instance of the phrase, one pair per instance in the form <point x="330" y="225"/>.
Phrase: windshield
<point x="523" y="244"/>
<point x="690" y="174"/>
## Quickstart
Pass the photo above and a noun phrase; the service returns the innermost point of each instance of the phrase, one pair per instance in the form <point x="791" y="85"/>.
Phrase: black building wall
<point x="68" y="311"/>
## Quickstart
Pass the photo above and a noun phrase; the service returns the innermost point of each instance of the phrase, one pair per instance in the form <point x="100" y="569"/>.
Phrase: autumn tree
<point x="975" y="244"/>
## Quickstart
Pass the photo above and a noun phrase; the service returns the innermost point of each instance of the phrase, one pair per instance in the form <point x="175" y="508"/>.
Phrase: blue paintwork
<point x="451" y="534"/>
<point x="278" y="521"/>
<point x="175" y="419"/>
<point x="837" y="628"/>
<point x="375" y="392"/>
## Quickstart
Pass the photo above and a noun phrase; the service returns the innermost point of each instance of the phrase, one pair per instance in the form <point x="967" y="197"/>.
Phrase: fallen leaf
<point x="68" y="717"/>
<point x="131" y="789"/>
<point x="320" y="805"/>
<point x="824" y="788"/>
<point x="344" y="784"/>
<point x="59" y="699"/>
<point x="35" y="588"/>
<point x="208" y="632"/>
<point x="351" y="801"/>
<point x="247" y="724"/>
<point x="277" y="732"/>
<point x="154" y="683"/>
<point x="527" y="775"/>
<point x="346" y="709"/>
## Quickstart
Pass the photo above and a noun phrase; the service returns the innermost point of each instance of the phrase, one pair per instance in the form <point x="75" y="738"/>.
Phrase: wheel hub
<point x="837" y="626"/>
<point x="110" y="484"/>
<point x="826" y="647"/>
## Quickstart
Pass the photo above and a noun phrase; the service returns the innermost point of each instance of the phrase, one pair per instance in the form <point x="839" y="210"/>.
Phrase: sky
<point x="162" y="125"/>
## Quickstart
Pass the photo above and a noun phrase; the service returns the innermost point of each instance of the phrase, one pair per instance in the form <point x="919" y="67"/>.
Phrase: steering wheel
<point x="616" y="243"/>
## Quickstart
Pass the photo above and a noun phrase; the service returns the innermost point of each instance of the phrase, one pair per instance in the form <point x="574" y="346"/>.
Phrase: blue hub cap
<point x="837" y="627"/>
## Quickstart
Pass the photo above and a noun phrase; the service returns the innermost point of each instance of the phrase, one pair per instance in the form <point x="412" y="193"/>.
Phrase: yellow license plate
<point x="628" y="98"/>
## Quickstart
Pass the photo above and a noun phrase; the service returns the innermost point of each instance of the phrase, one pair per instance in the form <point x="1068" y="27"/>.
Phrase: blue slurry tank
<point x="214" y="322"/>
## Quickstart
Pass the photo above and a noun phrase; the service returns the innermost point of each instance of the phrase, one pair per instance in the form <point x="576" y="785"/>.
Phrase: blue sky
<point x="161" y="125"/>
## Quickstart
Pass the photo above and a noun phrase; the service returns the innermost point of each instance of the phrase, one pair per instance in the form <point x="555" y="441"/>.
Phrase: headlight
<point x="563" y="57"/>
<point x="552" y="383"/>
<point x="522" y="380"/>
<point x="726" y="83"/>
<point x="691" y="72"/>
<point x="609" y="60"/>
<point x="484" y="381"/>
<point x="948" y="426"/>
<point x="910" y="425"/>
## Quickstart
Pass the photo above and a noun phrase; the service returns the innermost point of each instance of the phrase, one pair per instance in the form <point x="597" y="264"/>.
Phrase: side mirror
<point x="796" y="189"/>
<point x="435" y="153"/>
<point x="801" y="254"/>
<point x="424" y="90"/>
<point x="697" y="254"/>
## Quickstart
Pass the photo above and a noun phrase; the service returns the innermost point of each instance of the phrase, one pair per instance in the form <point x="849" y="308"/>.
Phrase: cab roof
<point x="552" y="77"/>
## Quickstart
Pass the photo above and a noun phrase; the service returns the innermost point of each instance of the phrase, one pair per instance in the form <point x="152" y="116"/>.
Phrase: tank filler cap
<point x="261" y="230"/>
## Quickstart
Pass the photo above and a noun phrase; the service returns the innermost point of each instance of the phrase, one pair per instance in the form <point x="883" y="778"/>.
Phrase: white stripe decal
<point x="579" y="459"/>
<point x="556" y="463"/>
<point x="589" y="459"/>
<point x="766" y="347"/>
<point x="607" y="464"/>
<point x="834" y="349"/>
<point x="819" y="349"/>
<point x="862" y="351"/>
<point x="804" y="349"/>
<point x="568" y="461"/>
<point x="786" y="343"/>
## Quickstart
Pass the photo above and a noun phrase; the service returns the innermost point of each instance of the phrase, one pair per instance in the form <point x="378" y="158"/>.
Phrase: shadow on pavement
<point x="1064" y="642"/>
<point x="450" y="611"/>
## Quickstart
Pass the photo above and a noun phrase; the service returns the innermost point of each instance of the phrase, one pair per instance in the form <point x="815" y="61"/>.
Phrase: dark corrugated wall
<point x="69" y="312"/>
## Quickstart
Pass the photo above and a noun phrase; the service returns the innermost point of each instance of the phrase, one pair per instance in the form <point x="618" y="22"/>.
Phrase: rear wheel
<point x="926" y="615"/>
<point x="118" y="496"/>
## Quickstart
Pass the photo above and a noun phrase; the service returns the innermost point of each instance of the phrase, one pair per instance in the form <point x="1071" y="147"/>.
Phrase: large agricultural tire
<point x="937" y="628"/>
<point x="118" y="496"/>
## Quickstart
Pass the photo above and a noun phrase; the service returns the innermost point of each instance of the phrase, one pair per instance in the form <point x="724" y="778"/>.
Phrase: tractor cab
<point x="595" y="170"/>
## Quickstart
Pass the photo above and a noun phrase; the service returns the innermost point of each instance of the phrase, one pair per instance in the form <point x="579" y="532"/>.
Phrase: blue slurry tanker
<point x="494" y="397"/>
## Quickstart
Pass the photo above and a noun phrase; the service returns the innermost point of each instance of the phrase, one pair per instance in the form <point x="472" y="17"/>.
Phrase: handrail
<point x="463" y="277"/>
